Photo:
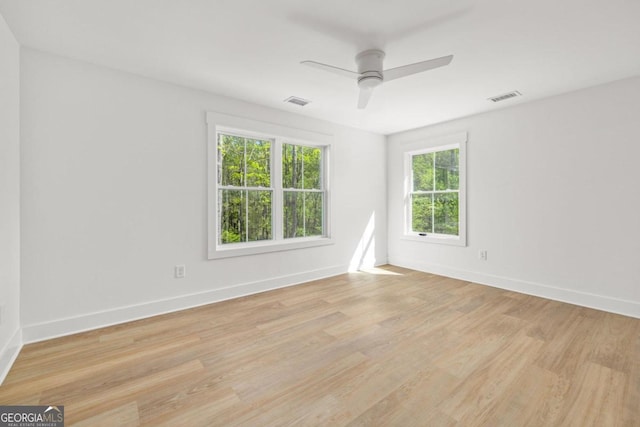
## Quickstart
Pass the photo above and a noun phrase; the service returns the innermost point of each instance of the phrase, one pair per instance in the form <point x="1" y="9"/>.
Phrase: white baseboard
<point x="9" y="353"/>
<point x="585" y="299"/>
<point x="61" y="327"/>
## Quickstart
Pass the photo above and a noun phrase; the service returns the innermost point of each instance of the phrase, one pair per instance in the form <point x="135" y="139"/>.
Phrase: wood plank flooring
<point x="397" y="348"/>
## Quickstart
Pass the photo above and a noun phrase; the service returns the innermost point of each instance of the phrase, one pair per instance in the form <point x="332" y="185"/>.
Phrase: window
<point x="268" y="187"/>
<point x="245" y="193"/>
<point x="302" y="190"/>
<point x="435" y="196"/>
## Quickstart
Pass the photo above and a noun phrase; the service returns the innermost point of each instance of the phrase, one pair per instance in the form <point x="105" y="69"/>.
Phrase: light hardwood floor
<point x="402" y="348"/>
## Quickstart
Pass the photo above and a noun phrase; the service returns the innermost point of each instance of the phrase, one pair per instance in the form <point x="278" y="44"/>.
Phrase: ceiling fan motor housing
<point x="370" y="68"/>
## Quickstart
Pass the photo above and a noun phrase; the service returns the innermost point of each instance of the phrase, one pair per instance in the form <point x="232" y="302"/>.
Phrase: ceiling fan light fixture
<point x="370" y="81"/>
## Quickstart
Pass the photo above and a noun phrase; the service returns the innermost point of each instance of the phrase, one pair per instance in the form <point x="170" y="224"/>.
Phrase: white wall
<point x="553" y="197"/>
<point x="114" y="195"/>
<point x="10" y="340"/>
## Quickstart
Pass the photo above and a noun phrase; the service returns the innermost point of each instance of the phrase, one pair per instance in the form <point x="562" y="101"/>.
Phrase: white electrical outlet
<point x="482" y="255"/>
<point x="180" y="271"/>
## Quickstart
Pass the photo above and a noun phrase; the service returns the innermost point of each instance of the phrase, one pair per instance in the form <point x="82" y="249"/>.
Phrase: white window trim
<point x="218" y="122"/>
<point x="431" y="145"/>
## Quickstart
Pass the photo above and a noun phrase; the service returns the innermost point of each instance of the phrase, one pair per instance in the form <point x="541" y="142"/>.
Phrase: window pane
<point x="232" y="216"/>
<point x="259" y="215"/>
<point x="446" y="213"/>
<point x="292" y="166"/>
<point x="312" y="168"/>
<point x="293" y="214"/>
<point x="422" y="167"/>
<point x="421" y="213"/>
<point x="258" y="163"/>
<point x="230" y="160"/>
<point x="303" y="214"/>
<point x="313" y="214"/>
<point x="447" y="176"/>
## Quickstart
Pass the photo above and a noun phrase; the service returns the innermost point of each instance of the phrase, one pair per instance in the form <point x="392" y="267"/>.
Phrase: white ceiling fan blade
<point x="363" y="98"/>
<point x="331" y="69"/>
<point x="418" y="67"/>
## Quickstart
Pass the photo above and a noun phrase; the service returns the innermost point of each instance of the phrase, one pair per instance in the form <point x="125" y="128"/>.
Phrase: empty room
<point x="323" y="213"/>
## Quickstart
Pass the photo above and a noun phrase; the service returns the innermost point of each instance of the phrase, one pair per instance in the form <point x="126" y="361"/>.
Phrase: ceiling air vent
<point x="297" y="101"/>
<point x="505" y="96"/>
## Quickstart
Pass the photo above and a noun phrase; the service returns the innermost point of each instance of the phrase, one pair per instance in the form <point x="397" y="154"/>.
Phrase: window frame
<point x="278" y="134"/>
<point x="434" y="145"/>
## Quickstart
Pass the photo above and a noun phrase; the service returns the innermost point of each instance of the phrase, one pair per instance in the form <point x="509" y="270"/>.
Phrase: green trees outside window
<point x="244" y="193"/>
<point x="435" y="192"/>
<point x="302" y="190"/>
<point x="247" y="189"/>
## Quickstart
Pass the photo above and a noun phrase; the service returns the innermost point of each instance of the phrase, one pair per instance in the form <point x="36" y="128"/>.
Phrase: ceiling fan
<point x="370" y="73"/>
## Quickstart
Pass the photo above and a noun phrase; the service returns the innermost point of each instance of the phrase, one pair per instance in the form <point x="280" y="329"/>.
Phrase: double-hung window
<point x="303" y="191"/>
<point x="435" y="191"/>
<point x="268" y="187"/>
<point x="245" y="193"/>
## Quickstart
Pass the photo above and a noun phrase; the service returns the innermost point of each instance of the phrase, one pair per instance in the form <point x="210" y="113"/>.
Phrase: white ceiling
<point x="251" y="49"/>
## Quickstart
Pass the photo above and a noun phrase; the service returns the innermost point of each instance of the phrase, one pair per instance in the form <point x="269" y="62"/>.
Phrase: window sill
<point x="436" y="238"/>
<point x="254" y="248"/>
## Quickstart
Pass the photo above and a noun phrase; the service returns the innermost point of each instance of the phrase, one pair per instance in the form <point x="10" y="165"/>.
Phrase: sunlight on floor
<point x="379" y="271"/>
